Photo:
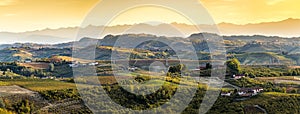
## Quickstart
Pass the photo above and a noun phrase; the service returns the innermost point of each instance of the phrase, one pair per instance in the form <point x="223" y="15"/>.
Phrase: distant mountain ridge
<point x="286" y="28"/>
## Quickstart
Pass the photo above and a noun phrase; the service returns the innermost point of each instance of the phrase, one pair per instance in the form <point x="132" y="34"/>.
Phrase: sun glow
<point x="27" y="15"/>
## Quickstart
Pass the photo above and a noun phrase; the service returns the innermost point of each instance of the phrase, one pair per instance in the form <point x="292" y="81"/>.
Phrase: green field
<point x="39" y="84"/>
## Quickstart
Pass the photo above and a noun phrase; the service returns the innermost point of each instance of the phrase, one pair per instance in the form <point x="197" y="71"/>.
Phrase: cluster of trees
<point x="13" y="68"/>
<point x="294" y="72"/>
<point x="4" y="111"/>
<point x="268" y="86"/>
<point x="269" y="72"/>
<point x="61" y="70"/>
<point x="2" y="104"/>
<point x="233" y="66"/>
<point x="272" y="103"/>
<point x="141" y="78"/>
<point x="57" y="95"/>
<point x="226" y="105"/>
<point x="23" y="107"/>
<point x="175" y="71"/>
<point x="165" y="93"/>
<point x="142" y="102"/>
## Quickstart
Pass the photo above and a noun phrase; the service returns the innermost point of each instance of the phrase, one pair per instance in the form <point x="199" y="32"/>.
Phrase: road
<point x="264" y="110"/>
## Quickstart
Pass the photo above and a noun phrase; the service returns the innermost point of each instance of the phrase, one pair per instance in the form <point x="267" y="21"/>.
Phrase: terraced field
<point x="8" y="90"/>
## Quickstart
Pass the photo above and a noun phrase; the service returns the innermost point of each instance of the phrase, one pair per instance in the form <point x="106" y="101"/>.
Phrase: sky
<point x="29" y="15"/>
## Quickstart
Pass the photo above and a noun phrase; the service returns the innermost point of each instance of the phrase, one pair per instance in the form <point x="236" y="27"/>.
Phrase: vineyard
<point x="39" y="84"/>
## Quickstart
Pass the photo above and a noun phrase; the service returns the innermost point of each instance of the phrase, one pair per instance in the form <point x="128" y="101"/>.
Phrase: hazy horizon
<point x="29" y="15"/>
<point x="26" y="20"/>
<point x="152" y="24"/>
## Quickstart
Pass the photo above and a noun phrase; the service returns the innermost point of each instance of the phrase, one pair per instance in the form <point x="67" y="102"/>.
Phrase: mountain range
<point x="286" y="28"/>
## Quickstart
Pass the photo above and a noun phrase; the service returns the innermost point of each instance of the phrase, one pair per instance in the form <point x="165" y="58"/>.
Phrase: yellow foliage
<point x="3" y="111"/>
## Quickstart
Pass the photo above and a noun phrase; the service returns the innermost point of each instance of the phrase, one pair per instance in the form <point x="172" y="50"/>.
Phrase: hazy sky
<point x="27" y="15"/>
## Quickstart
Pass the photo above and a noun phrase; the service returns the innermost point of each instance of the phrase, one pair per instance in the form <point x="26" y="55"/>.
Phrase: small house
<point x="47" y="77"/>
<point x="228" y="94"/>
<point x="243" y="91"/>
<point x="257" y="90"/>
<point x="73" y="65"/>
<point x="132" y="69"/>
<point x="239" y="76"/>
<point x="27" y="61"/>
<point x="247" y="92"/>
<point x="93" y="63"/>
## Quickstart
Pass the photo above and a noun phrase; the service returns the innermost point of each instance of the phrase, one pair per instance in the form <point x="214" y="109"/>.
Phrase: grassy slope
<point x="262" y="58"/>
<point x="38" y="84"/>
<point x="35" y="65"/>
<point x="275" y="102"/>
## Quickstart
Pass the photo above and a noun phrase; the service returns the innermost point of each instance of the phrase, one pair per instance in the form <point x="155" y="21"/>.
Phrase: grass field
<point x="39" y="84"/>
<point x="67" y="58"/>
<point x="282" y="79"/>
<point x="35" y="65"/>
<point x="45" y="85"/>
<point x="277" y="94"/>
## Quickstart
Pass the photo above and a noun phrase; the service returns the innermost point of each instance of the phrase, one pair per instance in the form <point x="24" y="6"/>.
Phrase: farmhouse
<point x="73" y="65"/>
<point x="93" y="63"/>
<point x="257" y="90"/>
<point x="47" y="77"/>
<point x="195" y="69"/>
<point x="247" y="92"/>
<point x="228" y="94"/>
<point x="201" y="67"/>
<point x="132" y="69"/>
<point x="27" y="61"/>
<point x="238" y="76"/>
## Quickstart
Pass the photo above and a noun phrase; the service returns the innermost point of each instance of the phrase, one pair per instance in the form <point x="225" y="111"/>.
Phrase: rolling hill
<point x="255" y="49"/>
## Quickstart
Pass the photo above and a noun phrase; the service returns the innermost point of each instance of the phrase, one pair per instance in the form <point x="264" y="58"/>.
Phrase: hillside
<point x="249" y="49"/>
<point x="35" y="65"/>
<point x="263" y="58"/>
<point x="8" y="55"/>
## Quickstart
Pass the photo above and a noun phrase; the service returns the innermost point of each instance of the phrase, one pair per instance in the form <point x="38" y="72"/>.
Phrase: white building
<point x="226" y="94"/>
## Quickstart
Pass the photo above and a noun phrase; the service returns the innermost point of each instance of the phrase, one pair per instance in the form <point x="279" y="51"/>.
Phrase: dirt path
<point x="8" y="90"/>
<point x="264" y="110"/>
<point x="16" y="92"/>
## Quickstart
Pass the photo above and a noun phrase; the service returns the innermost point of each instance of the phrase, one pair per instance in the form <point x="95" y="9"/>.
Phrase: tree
<point x="51" y="67"/>
<point x="208" y="66"/>
<point x="283" y="89"/>
<point x="2" y="105"/>
<point x="294" y="91"/>
<point x="233" y="66"/>
<point x="251" y="75"/>
<point x="23" y="107"/>
<point x="177" y="69"/>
